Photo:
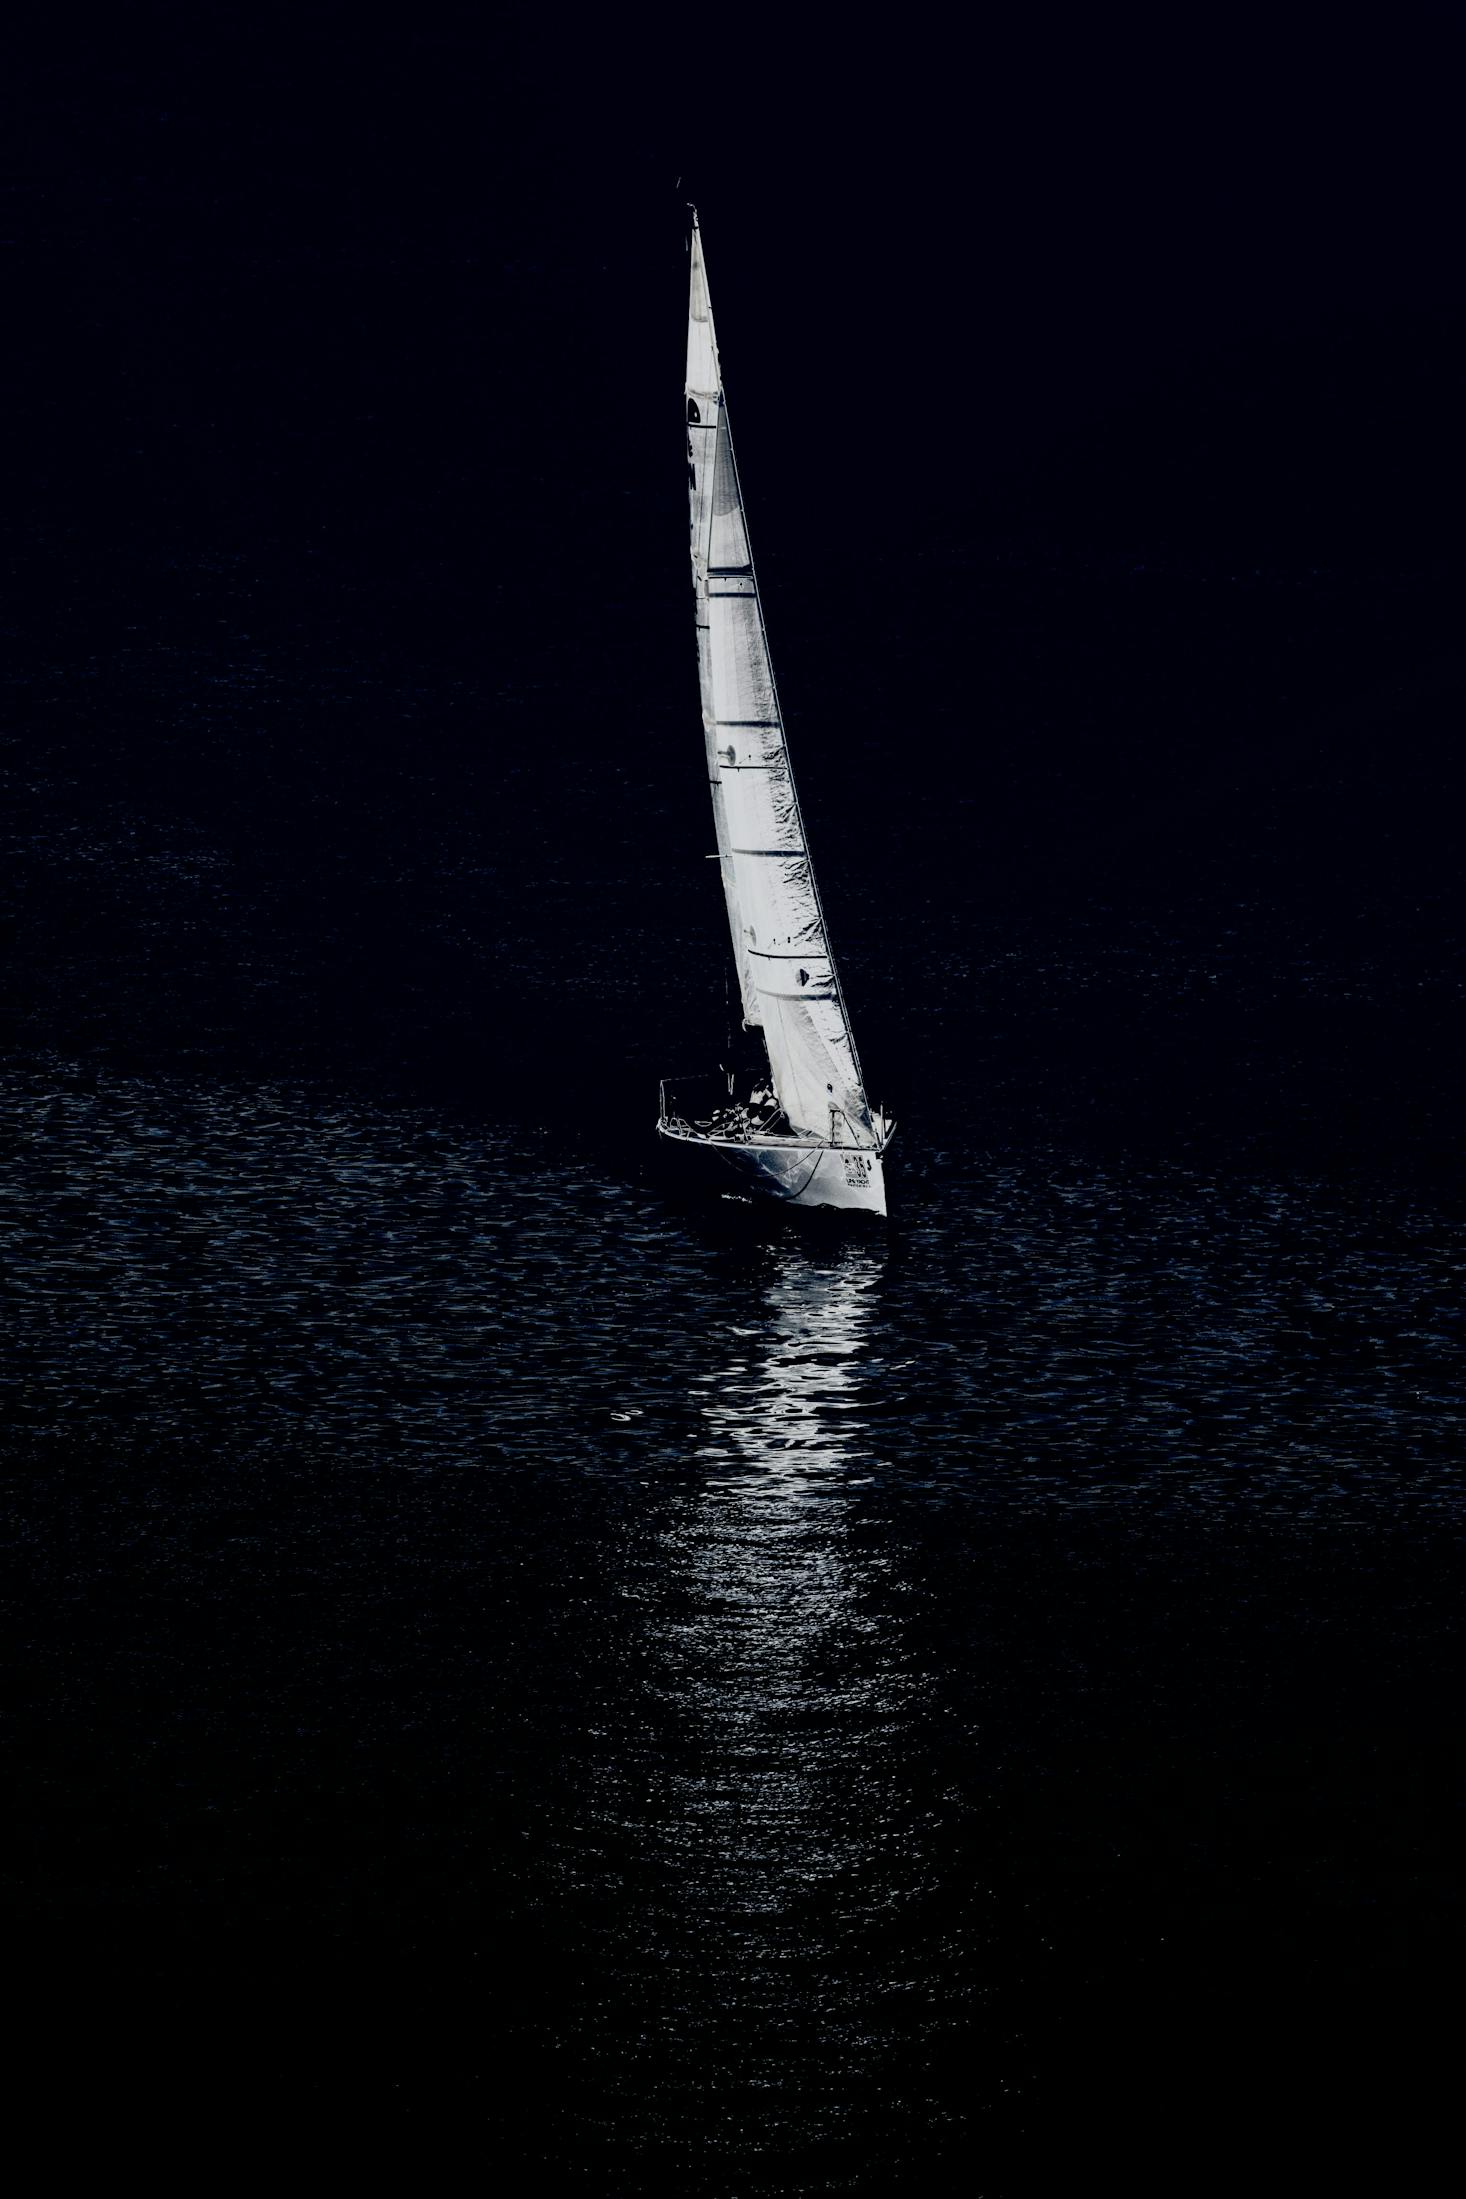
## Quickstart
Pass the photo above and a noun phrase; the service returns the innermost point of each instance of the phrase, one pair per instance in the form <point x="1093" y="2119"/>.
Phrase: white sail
<point x="785" y="968"/>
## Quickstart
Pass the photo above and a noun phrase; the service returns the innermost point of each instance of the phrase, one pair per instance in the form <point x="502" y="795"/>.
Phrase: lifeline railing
<point x="672" y="1114"/>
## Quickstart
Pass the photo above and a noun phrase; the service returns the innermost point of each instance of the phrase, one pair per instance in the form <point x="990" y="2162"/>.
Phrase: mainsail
<point x="785" y="969"/>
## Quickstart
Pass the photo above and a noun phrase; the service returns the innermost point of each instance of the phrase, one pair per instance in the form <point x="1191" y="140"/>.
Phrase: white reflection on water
<point x="786" y="1670"/>
<point x="779" y="1415"/>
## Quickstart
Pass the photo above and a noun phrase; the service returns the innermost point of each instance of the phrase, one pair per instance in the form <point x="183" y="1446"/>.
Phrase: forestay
<point x="785" y="968"/>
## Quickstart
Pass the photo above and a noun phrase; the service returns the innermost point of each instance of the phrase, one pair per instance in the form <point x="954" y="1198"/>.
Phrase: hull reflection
<point x="785" y="1828"/>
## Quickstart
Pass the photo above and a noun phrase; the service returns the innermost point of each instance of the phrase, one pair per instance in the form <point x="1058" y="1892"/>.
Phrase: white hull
<point x="794" y="1172"/>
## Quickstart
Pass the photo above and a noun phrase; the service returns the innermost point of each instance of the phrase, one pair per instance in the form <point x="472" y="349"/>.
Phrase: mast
<point x="786" y="970"/>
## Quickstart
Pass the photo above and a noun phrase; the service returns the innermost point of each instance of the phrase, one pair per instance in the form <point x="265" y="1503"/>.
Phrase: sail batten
<point x="774" y="912"/>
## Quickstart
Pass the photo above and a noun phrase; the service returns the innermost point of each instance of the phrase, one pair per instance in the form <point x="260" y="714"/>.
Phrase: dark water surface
<point x="676" y="1698"/>
<point x="692" y="1704"/>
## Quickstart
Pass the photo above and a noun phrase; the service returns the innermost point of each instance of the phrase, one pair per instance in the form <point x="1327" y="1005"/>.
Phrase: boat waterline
<point x="810" y="1174"/>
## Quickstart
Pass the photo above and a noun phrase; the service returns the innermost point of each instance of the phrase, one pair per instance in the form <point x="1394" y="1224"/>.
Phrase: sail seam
<point x="849" y="1035"/>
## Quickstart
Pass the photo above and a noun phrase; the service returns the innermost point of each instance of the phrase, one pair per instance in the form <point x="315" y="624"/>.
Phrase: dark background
<point x="1099" y="394"/>
<point x="1098" y="387"/>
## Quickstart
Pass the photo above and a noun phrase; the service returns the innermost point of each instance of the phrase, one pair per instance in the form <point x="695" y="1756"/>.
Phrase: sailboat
<point x="797" y="1125"/>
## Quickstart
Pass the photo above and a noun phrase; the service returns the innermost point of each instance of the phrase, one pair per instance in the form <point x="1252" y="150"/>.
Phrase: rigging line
<point x="809" y="1179"/>
<point x="726" y="872"/>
